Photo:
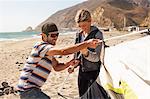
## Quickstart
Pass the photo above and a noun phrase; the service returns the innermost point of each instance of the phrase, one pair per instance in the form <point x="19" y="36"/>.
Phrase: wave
<point x="19" y="39"/>
<point x="18" y="36"/>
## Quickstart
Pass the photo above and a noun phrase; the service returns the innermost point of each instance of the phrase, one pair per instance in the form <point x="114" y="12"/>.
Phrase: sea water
<point x="15" y="36"/>
<point x="4" y="36"/>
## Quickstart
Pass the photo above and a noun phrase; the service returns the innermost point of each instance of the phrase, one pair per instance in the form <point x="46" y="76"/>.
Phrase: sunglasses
<point x="54" y="35"/>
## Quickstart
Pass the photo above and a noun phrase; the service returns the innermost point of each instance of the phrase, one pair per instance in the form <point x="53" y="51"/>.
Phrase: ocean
<point x="4" y="36"/>
<point x="16" y="36"/>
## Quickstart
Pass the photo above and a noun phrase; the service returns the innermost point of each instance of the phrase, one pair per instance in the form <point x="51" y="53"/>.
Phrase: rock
<point x="28" y="29"/>
<point x="21" y="63"/>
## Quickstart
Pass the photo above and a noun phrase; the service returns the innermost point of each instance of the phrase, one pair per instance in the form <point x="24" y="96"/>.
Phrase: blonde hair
<point x="82" y="15"/>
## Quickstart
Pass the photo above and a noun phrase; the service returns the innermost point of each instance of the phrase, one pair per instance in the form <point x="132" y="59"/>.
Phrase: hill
<point x="105" y="13"/>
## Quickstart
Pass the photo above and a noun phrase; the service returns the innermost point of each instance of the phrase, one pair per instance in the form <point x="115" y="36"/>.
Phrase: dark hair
<point x="49" y="27"/>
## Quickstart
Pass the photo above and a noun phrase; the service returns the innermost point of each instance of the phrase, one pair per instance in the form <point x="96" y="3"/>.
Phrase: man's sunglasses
<point x="54" y="35"/>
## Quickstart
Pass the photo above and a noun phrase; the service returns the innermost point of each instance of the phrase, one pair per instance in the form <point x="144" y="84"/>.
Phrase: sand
<point x="14" y="53"/>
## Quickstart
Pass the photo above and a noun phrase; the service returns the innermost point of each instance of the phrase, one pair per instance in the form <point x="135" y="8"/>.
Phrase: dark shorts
<point x="33" y="93"/>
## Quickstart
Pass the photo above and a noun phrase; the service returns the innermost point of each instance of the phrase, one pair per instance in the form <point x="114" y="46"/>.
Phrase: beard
<point x="52" y="42"/>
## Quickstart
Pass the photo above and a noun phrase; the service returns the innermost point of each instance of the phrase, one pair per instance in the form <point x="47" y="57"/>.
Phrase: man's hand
<point x="93" y="43"/>
<point x="70" y="69"/>
<point x="73" y="63"/>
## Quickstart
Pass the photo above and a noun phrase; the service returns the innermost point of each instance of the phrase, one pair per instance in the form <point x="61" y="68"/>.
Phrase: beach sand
<point x="14" y="53"/>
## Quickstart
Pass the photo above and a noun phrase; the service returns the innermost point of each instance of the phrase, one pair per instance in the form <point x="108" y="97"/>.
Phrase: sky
<point x="17" y="15"/>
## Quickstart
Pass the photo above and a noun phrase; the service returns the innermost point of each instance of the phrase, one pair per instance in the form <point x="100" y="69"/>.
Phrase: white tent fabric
<point x="130" y="62"/>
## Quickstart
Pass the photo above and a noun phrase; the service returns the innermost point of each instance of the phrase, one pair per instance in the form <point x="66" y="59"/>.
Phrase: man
<point x="89" y="66"/>
<point x="41" y="60"/>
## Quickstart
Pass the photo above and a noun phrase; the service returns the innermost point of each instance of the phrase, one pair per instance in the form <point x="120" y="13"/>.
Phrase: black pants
<point x="85" y="80"/>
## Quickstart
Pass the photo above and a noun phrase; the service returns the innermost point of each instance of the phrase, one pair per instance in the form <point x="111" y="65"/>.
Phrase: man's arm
<point x="75" y="48"/>
<point x="61" y="66"/>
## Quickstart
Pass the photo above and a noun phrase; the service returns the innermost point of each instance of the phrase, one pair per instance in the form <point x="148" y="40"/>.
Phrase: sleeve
<point x="43" y="49"/>
<point x="94" y="56"/>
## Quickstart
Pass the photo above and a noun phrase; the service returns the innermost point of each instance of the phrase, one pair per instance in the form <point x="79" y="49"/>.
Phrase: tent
<point x="125" y="72"/>
<point x="126" y="69"/>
